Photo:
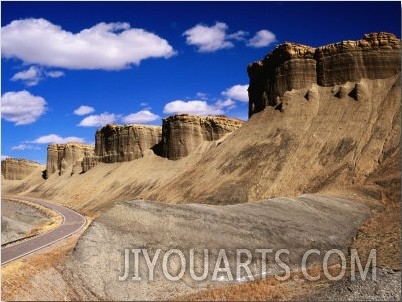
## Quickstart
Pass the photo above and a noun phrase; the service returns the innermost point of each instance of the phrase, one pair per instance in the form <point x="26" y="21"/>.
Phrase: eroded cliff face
<point x="289" y="66"/>
<point x="324" y="138"/>
<point x="17" y="168"/>
<point x="179" y="136"/>
<point x="295" y="66"/>
<point x="117" y="143"/>
<point x="183" y="133"/>
<point x="66" y="158"/>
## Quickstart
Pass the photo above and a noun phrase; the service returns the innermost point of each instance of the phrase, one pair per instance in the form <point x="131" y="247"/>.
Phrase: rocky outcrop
<point x="116" y="143"/>
<point x="295" y="66"/>
<point x="289" y="66"/>
<point x="17" y="168"/>
<point x="89" y="162"/>
<point x="376" y="56"/>
<point x="183" y="133"/>
<point x="62" y="158"/>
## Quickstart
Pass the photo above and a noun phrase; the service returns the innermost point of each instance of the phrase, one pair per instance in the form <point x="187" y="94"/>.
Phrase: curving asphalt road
<point x="72" y="223"/>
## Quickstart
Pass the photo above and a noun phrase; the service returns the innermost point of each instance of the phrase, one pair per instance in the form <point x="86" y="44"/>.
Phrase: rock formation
<point x="183" y="133"/>
<point x="17" y="168"/>
<point x="89" y="162"/>
<point x="116" y="143"/>
<point x="295" y="66"/>
<point x="324" y="138"/>
<point x="177" y="138"/>
<point x="289" y="66"/>
<point x="62" y="158"/>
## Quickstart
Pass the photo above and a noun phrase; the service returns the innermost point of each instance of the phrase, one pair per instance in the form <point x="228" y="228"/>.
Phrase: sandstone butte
<point x="183" y="133"/>
<point x="177" y="138"/>
<point x="337" y="134"/>
<point x="66" y="158"/>
<point x="338" y="123"/>
<point x="294" y="66"/>
<point x="117" y="143"/>
<point x="17" y="168"/>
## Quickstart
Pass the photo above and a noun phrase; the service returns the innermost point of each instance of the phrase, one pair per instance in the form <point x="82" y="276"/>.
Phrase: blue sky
<point x="68" y="68"/>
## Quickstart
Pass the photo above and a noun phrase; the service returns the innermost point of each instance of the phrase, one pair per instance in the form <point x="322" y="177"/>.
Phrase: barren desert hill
<point x="320" y="137"/>
<point x="300" y="174"/>
<point x="17" y="168"/>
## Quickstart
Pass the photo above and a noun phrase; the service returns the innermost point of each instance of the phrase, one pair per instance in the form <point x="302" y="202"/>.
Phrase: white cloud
<point x="238" y="36"/>
<point x="202" y="96"/>
<point x="3" y="157"/>
<point x="21" y="107"/>
<point x="31" y="77"/>
<point x="107" y="46"/>
<point x="56" y="139"/>
<point x="202" y="107"/>
<point x="99" y="120"/>
<point x="143" y="116"/>
<point x="262" y="38"/>
<point x="228" y="103"/>
<point x="192" y="107"/>
<point x="83" y="110"/>
<point x="54" y="74"/>
<point x="211" y="38"/>
<point x="24" y="147"/>
<point x="237" y="92"/>
<point x="34" y="75"/>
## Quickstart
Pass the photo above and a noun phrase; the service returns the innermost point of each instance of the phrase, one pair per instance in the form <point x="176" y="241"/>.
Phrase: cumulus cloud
<point x="84" y="110"/>
<point x="24" y="147"/>
<point x="201" y="96"/>
<point x="143" y="116"/>
<point x="3" y="157"/>
<point x="238" y="36"/>
<point x="191" y="107"/>
<point x="237" y="92"/>
<point x="107" y="46"/>
<point x="228" y="103"/>
<point x="99" y="120"/>
<point x="21" y="107"/>
<point x="262" y="38"/>
<point x="211" y="38"/>
<point x="56" y="139"/>
<point x="30" y="76"/>
<point x="54" y="74"/>
<point x="202" y="107"/>
<point x="33" y="75"/>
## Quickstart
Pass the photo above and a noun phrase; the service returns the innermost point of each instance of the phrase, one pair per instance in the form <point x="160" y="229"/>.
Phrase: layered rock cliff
<point x="117" y="143"/>
<point x="66" y="158"/>
<point x="289" y="66"/>
<point x="295" y="66"/>
<point x="177" y="138"/>
<point x="324" y="138"/>
<point x="183" y="133"/>
<point x="17" y="168"/>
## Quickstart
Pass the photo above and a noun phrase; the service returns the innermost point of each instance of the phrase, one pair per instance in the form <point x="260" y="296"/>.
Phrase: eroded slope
<point x="323" y="138"/>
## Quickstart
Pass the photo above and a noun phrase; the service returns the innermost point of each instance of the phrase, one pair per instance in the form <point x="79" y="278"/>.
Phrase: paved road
<point x="72" y="222"/>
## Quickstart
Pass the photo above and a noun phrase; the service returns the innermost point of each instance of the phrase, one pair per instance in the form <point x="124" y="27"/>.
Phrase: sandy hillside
<point x="346" y="149"/>
<point x="92" y="269"/>
<point x="319" y="141"/>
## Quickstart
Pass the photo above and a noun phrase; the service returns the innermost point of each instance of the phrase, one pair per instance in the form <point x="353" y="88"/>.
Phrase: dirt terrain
<point x="281" y="223"/>
<point x="344" y="152"/>
<point x="321" y="143"/>
<point x="19" y="221"/>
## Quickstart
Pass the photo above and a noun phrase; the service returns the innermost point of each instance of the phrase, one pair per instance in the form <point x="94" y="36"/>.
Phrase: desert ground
<point x="322" y="173"/>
